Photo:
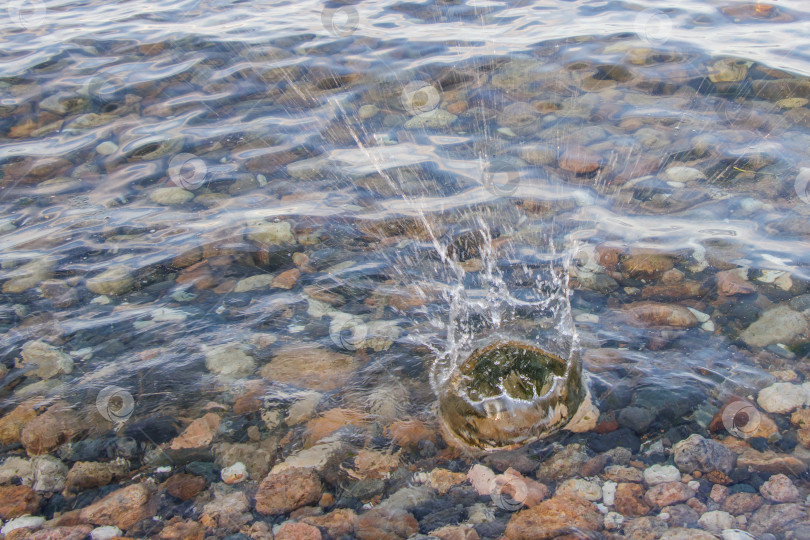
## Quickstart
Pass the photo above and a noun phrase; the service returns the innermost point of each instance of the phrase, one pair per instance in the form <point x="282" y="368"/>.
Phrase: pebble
<point x="779" y="488"/>
<point x="609" y="493"/>
<point x="170" y="196"/>
<point x="24" y="522"/>
<point x="579" y="160"/>
<point x="113" y="281"/>
<point x="106" y="532"/>
<point x="235" y="473"/>
<point x="699" y="454"/>
<point x="288" y="490"/>
<point x="122" y="508"/>
<point x="716" y="521"/>
<point x="778" y="325"/>
<point x="435" y="119"/>
<point x="49" y="360"/>
<point x="590" y="490"/>
<point x="230" y="360"/>
<point x="659" y="474"/>
<point x="667" y="494"/>
<point x="553" y="518"/>
<point x="736" y="534"/>
<point x="271" y="233"/>
<point x="252" y="283"/>
<point x="684" y="174"/>
<point x="629" y="500"/>
<point x="50" y="474"/>
<point x="106" y="148"/>
<point x="783" y="397"/>
<point x="311" y="367"/>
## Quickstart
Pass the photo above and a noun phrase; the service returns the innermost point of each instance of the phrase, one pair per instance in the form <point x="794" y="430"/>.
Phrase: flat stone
<point x="285" y="491"/>
<point x="435" y="119"/>
<point x="310" y="366"/>
<point x="783" y="397"/>
<point x="170" y="196"/>
<point x="654" y="314"/>
<point x="778" y="325"/>
<point x="122" y="508"/>
<point x="112" y="282"/>
<point x="668" y="494"/>
<point x="659" y="474"/>
<point x="554" y="517"/>
<point x="230" y="360"/>
<point x="49" y="360"/>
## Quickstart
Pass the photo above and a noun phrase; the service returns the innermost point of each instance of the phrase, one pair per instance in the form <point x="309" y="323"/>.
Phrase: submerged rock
<point x="778" y="325"/>
<point x="49" y="360"/>
<point x="113" y="281"/>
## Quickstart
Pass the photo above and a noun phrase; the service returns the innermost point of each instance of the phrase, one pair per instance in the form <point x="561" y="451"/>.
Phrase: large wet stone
<point x="49" y="360"/>
<point x="705" y="455"/>
<point x="778" y="325"/>
<point x="553" y="518"/>
<point x="122" y="508"/>
<point x="114" y="281"/>
<point x="285" y="491"/>
<point x="310" y="366"/>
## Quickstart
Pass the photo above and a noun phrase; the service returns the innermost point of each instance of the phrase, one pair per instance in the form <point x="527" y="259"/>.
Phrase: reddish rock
<point x="553" y="518"/>
<point x="779" y="488"/>
<point x="667" y="494"/>
<point x="608" y="256"/>
<point x="298" y="531"/>
<point x="184" y="486"/>
<point x="647" y="265"/>
<point x="16" y="501"/>
<point x="771" y="462"/>
<point x="408" y="433"/>
<point x="337" y="524"/>
<point x="285" y="491"/>
<point x="122" y="508"/>
<point x="198" y="434"/>
<point x="48" y="431"/>
<point x="455" y="532"/>
<point x="654" y="314"/>
<point x="730" y="282"/>
<point x="579" y="160"/>
<point x="11" y="424"/>
<point x="382" y="524"/>
<point x="674" y="291"/>
<point x="331" y="421"/>
<point x="177" y="529"/>
<point x="310" y="367"/>
<point x="629" y="500"/>
<point x="76" y="532"/>
<point x="777" y="518"/>
<point x="287" y="279"/>
<point x="742" y="503"/>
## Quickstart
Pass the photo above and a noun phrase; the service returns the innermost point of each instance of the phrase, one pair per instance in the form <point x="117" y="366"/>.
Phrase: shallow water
<point x="401" y="182"/>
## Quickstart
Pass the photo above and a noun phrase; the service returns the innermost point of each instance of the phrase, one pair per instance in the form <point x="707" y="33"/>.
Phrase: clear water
<point x="428" y="239"/>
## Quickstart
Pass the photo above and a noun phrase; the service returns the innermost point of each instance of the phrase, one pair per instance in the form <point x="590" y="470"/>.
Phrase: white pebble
<point x="235" y="473"/>
<point x="105" y="533"/>
<point x="106" y="148"/>
<point x="24" y="522"/>
<point x="684" y="174"/>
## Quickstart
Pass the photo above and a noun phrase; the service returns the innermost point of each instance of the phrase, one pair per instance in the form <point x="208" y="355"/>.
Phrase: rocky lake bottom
<point x="236" y="274"/>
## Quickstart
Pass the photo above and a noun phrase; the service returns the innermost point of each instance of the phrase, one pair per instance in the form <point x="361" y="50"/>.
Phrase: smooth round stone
<point x="368" y="111"/>
<point x="106" y="148"/>
<point x="169" y="196"/>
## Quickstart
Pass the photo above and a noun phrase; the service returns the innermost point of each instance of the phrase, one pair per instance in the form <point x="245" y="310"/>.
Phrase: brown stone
<point x="287" y="279"/>
<point x="455" y="532"/>
<point x="771" y="462"/>
<point x="184" y="486"/>
<point x="608" y="256"/>
<point x="16" y="501"/>
<point x="579" y="160"/>
<point x="621" y="473"/>
<point x="674" y="291"/>
<point x="122" y="508"/>
<point x="742" y="503"/>
<point x="443" y="479"/>
<point x="554" y="517"/>
<point x="647" y="265"/>
<point x="11" y="424"/>
<point x="311" y="367"/>
<point x="729" y="283"/>
<point x="298" y="531"/>
<point x="177" y="529"/>
<point x="383" y="524"/>
<point x="198" y="434"/>
<point x="288" y="490"/>
<point x="337" y="524"/>
<point x="329" y="422"/>
<point x="776" y="518"/>
<point x="716" y="477"/>
<point x="49" y="430"/>
<point x="667" y="494"/>
<point x="408" y="433"/>
<point x="74" y="532"/>
<point x="654" y="314"/>
<point x="801" y="418"/>
<point x="92" y="474"/>
<point x="630" y="500"/>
